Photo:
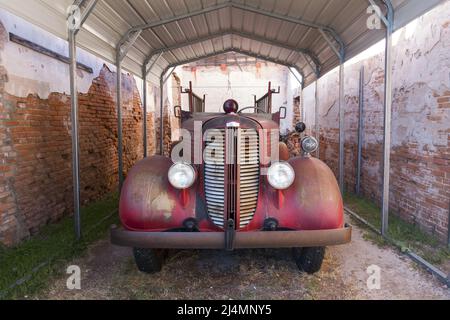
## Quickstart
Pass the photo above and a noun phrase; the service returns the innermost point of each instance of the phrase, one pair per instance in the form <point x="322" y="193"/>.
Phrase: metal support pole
<point x="169" y="75"/>
<point x="340" y="53"/>
<point x="341" y="126"/>
<point x="161" y="122"/>
<point x="144" y="106"/>
<point x="360" y="130"/>
<point x="448" y="226"/>
<point x="303" y="113"/>
<point x="316" y="117"/>
<point x="75" y="142"/>
<point x="72" y="31"/>
<point x="296" y="78"/>
<point x="387" y="126"/>
<point x="119" y="118"/>
<point x="161" y="84"/>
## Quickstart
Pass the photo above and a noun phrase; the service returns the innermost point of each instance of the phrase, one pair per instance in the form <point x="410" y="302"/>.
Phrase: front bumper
<point x="241" y="240"/>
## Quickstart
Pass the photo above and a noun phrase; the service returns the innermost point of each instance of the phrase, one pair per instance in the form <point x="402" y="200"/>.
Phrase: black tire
<point x="309" y="260"/>
<point x="148" y="260"/>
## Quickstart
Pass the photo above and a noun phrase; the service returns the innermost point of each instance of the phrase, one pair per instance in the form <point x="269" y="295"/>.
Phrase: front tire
<point x="310" y="259"/>
<point x="148" y="260"/>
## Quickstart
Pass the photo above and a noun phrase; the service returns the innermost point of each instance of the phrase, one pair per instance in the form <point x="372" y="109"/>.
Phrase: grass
<point x="42" y="257"/>
<point x="407" y="235"/>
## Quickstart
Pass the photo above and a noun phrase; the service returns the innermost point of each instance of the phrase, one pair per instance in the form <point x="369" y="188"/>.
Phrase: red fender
<point x="149" y="202"/>
<point x="314" y="200"/>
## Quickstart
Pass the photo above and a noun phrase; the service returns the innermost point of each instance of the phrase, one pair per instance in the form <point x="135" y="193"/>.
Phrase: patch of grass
<point x="407" y="235"/>
<point x="42" y="257"/>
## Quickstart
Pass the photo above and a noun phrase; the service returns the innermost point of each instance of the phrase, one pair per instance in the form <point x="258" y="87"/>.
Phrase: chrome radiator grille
<point x="220" y="191"/>
<point x="248" y="155"/>
<point x="214" y="175"/>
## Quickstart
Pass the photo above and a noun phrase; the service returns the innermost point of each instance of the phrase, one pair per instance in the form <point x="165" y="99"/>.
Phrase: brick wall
<point x="420" y="150"/>
<point x="35" y="145"/>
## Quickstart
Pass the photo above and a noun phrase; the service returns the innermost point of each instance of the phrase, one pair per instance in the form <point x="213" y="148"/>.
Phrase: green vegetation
<point x="42" y="257"/>
<point x="408" y="236"/>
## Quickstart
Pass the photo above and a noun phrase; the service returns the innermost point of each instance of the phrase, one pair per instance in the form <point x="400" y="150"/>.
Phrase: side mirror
<point x="300" y="127"/>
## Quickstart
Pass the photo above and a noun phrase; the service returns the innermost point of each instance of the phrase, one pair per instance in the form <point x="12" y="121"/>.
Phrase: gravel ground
<point x="108" y="272"/>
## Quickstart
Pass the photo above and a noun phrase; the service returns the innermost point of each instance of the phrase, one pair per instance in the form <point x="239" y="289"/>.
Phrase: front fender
<point x="314" y="200"/>
<point x="149" y="202"/>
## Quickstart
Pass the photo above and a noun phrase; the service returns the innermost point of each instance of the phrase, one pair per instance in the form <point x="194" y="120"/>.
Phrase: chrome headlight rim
<point x="287" y="167"/>
<point x="181" y="166"/>
<point x="308" y="149"/>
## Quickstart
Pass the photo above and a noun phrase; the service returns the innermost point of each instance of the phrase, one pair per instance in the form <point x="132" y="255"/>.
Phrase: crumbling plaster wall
<point x="220" y="83"/>
<point x="35" y="130"/>
<point x="420" y="150"/>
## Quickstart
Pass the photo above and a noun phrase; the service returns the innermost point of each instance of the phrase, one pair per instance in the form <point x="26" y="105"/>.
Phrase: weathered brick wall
<point x="36" y="154"/>
<point x="420" y="151"/>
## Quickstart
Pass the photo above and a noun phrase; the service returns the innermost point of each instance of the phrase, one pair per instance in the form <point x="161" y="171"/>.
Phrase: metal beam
<point x="341" y="126"/>
<point x="87" y="11"/>
<point x="162" y="82"/>
<point x="340" y="53"/>
<point x="147" y="70"/>
<point x="171" y="19"/>
<point x="448" y="227"/>
<point x="119" y="119"/>
<point x="301" y="81"/>
<point x="316" y="118"/>
<point x="379" y="13"/>
<point x="306" y="23"/>
<point x="168" y="76"/>
<point x="161" y="115"/>
<point x="144" y="109"/>
<point x="132" y="31"/>
<point x="315" y="69"/>
<point x="74" y="111"/>
<point x="231" y="4"/>
<point x="303" y="113"/>
<point x="248" y="53"/>
<point x="125" y="47"/>
<point x="301" y="51"/>
<point x="75" y="142"/>
<point x="360" y="131"/>
<point x="387" y="118"/>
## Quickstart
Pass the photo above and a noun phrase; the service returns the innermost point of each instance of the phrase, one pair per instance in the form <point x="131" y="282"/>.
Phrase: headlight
<point x="280" y="175"/>
<point x="309" y="144"/>
<point x="181" y="175"/>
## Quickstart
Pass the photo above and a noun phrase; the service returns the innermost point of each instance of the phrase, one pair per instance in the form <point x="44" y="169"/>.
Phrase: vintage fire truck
<point x="232" y="199"/>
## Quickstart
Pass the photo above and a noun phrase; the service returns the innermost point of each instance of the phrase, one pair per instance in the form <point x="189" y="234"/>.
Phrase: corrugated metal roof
<point x="285" y="31"/>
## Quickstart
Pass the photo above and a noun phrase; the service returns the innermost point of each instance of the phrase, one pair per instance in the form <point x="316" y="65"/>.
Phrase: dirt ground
<point x="108" y="272"/>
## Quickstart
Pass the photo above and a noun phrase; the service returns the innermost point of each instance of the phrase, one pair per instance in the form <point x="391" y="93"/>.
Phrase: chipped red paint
<point x="149" y="203"/>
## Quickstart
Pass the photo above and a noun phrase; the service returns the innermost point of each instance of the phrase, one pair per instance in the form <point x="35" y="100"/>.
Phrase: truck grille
<point x="241" y="147"/>
<point x="249" y="175"/>
<point x="214" y="175"/>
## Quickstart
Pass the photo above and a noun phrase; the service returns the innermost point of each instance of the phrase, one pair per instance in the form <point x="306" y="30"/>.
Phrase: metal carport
<point x="150" y="37"/>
